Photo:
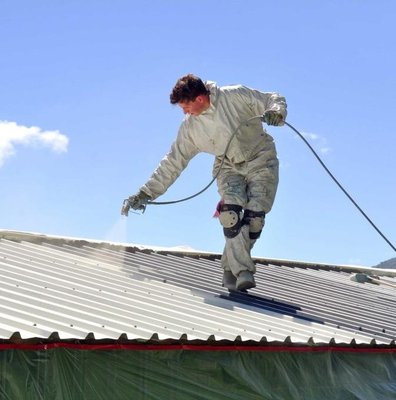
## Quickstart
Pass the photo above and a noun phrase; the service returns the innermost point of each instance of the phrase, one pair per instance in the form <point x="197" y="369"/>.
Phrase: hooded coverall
<point x="249" y="175"/>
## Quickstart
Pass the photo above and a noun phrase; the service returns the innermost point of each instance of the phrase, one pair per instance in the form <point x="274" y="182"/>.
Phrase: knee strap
<point x="255" y="220"/>
<point x="230" y="218"/>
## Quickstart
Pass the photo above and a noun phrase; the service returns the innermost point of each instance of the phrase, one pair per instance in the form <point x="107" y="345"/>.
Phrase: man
<point x="220" y="118"/>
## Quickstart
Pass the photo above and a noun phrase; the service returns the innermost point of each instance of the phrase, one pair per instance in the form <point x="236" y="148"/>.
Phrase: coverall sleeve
<point x="171" y="166"/>
<point x="259" y="102"/>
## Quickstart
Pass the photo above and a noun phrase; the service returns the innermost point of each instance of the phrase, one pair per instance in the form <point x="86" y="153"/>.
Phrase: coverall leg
<point x="253" y="186"/>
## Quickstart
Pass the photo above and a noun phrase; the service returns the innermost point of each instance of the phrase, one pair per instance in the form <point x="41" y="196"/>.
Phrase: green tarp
<point x="71" y="374"/>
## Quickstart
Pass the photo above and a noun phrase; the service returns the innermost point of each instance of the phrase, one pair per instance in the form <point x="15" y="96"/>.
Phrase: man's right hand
<point x="137" y="202"/>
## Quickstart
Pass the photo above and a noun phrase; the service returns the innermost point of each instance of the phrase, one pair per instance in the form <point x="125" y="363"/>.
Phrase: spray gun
<point x="127" y="204"/>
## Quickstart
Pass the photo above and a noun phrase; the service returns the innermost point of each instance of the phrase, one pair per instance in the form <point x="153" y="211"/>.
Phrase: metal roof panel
<point x="78" y="288"/>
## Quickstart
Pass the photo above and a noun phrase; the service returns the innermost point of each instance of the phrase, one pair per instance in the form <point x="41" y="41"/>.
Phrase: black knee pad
<point x="255" y="220"/>
<point x="231" y="219"/>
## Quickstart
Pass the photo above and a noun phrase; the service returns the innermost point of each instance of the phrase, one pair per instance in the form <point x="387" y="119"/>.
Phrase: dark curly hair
<point x="188" y="88"/>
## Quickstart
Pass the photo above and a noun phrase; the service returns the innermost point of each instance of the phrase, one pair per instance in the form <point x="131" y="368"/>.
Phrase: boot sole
<point x="245" y="285"/>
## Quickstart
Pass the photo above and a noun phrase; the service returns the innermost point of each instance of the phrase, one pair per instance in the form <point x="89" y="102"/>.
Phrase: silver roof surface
<point x="75" y="289"/>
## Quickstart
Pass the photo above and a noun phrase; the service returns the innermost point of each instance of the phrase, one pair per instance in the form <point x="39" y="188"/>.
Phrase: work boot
<point x="229" y="280"/>
<point x="245" y="281"/>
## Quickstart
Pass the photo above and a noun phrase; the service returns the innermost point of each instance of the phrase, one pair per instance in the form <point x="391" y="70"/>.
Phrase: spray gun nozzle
<point x="125" y="207"/>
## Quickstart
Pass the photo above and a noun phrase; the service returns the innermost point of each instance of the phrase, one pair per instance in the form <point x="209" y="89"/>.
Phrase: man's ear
<point x="203" y="99"/>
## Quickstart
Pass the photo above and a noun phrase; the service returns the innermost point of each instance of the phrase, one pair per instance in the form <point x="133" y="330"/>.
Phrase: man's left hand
<point x="274" y="118"/>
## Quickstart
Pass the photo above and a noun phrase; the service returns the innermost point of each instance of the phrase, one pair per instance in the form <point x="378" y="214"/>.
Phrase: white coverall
<point x="249" y="175"/>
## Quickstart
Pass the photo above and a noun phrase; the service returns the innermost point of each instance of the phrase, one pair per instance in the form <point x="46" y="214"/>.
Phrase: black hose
<point x="314" y="153"/>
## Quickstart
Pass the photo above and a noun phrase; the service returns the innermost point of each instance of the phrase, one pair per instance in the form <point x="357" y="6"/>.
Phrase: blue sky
<point x="85" y="118"/>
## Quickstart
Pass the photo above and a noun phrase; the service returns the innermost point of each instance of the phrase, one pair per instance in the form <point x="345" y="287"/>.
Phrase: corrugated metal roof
<point x="82" y="289"/>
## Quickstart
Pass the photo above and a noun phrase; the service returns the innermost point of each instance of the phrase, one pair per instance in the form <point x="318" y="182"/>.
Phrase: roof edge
<point x="33" y="237"/>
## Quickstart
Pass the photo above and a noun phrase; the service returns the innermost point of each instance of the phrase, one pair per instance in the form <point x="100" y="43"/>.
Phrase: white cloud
<point x="320" y="141"/>
<point x="12" y="135"/>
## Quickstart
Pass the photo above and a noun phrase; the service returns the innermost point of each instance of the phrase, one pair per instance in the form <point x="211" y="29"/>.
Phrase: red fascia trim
<point x="192" y="347"/>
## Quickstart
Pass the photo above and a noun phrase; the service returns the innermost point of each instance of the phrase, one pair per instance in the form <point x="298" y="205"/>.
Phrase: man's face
<point x="195" y="107"/>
